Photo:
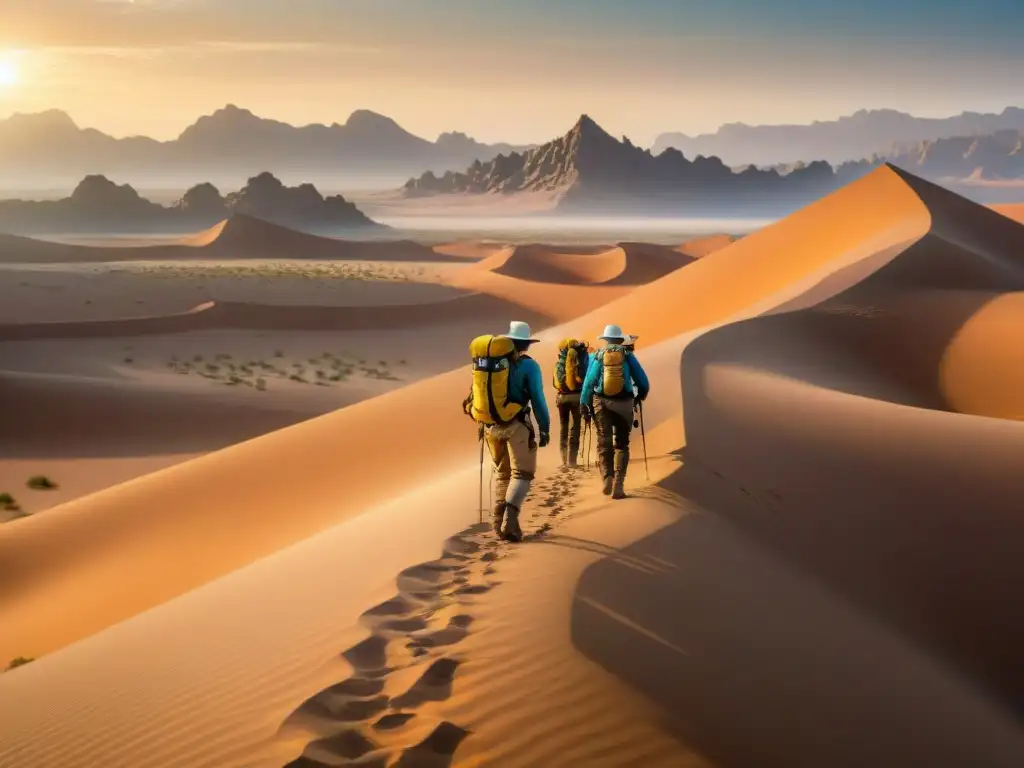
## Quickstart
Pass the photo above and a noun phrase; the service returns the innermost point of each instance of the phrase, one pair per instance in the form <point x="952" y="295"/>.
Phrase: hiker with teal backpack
<point x="608" y="399"/>
<point x="507" y="382"/>
<point x="570" y="369"/>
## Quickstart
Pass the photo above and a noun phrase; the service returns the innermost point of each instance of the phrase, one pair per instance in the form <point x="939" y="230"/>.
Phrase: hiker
<point x="570" y="369"/>
<point x="507" y="382"/>
<point x="608" y="399"/>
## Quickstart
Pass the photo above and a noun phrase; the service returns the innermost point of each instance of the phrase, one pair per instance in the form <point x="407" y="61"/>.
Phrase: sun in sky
<point x="8" y="72"/>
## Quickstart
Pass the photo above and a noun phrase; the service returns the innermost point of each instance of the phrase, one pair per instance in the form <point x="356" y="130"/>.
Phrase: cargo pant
<point x="613" y="422"/>
<point x="514" y="453"/>
<point x="568" y="436"/>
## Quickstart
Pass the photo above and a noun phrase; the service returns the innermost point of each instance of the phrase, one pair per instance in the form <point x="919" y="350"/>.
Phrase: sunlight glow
<point x="8" y="73"/>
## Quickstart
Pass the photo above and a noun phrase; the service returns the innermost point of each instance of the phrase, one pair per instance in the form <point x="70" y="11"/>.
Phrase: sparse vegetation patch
<point x="41" y="483"/>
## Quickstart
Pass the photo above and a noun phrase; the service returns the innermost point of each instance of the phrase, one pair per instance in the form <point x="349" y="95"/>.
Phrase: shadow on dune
<point x="55" y="418"/>
<point x="755" y="665"/>
<point x="625" y="264"/>
<point x="852" y="440"/>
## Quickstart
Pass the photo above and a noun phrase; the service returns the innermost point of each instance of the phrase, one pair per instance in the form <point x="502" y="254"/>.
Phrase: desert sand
<point x="820" y="569"/>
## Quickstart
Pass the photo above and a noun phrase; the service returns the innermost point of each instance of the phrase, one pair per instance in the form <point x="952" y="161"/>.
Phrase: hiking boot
<point x="511" y="531"/>
<point x="498" y="516"/>
<point x="619" y="478"/>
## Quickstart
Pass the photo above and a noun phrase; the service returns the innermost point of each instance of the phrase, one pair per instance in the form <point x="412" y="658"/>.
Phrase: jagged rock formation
<point x="228" y="145"/>
<point x="99" y="205"/>
<point x="997" y="156"/>
<point x="862" y="134"/>
<point x="591" y="171"/>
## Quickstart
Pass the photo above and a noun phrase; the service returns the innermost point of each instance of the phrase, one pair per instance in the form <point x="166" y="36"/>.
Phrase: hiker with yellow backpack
<point x="506" y="383"/>
<point x="608" y="399"/>
<point x="570" y="370"/>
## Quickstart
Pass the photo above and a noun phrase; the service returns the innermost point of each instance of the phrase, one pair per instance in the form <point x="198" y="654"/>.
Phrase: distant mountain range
<point x="863" y="134"/>
<point x="996" y="157"/>
<point x="590" y="171"/>
<point x="100" y="205"/>
<point x="230" y="145"/>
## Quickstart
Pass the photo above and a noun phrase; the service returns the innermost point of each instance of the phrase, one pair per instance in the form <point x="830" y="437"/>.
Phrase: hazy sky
<point x="516" y="70"/>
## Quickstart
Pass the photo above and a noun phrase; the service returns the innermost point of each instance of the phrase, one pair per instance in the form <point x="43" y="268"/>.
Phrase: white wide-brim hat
<point x="519" y="331"/>
<point x="612" y="332"/>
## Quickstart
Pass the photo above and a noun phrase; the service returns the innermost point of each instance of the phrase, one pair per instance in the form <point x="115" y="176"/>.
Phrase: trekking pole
<point x="643" y="438"/>
<point x="480" y="516"/>
<point x="586" y="450"/>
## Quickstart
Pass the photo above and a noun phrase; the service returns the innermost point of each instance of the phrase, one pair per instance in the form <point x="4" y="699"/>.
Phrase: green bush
<point x="41" y="483"/>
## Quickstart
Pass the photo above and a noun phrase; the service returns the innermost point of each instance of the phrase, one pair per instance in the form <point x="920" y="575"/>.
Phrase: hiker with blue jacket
<point x="513" y="446"/>
<point x="608" y="399"/>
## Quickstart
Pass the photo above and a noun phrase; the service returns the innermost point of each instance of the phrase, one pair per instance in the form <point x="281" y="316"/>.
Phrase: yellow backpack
<point x="567" y="377"/>
<point x="613" y="382"/>
<point x="488" y="402"/>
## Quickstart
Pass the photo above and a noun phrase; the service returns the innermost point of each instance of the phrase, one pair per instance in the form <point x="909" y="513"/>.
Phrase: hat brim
<point x="519" y="338"/>
<point x="611" y="338"/>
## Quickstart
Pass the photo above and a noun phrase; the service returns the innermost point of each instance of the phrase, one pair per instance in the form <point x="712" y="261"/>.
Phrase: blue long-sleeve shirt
<point x="526" y="386"/>
<point x="595" y="373"/>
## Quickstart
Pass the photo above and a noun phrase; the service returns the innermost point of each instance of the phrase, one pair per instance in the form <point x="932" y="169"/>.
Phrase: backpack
<point x="567" y="376"/>
<point x="615" y="381"/>
<point x="492" y="359"/>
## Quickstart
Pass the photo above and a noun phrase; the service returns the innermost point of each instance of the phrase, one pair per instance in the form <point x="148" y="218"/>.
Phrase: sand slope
<point x="624" y="264"/>
<point x="876" y="393"/>
<point x="236" y="315"/>
<point x="396" y="475"/>
<point x="241" y="236"/>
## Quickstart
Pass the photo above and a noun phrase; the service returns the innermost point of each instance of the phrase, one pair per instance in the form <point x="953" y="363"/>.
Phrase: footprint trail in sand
<point x="411" y="658"/>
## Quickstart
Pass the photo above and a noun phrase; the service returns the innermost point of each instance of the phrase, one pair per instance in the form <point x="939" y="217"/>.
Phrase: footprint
<point x="473" y="589"/>
<point x="434" y="685"/>
<point x="450" y="635"/>
<point x="344" y="710"/>
<point x="368" y="656"/>
<point x="435" y="750"/>
<point x="410" y="624"/>
<point x="393" y="720"/>
<point x="356" y="687"/>
<point x="396" y="606"/>
<point x="349" y="744"/>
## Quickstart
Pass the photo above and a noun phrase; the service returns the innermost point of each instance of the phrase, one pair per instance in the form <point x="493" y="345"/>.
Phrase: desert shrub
<point x="261" y="385"/>
<point x="129" y="360"/>
<point x="19" y="661"/>
<point x="41" y="483"/>
<point x="279" y="353"/>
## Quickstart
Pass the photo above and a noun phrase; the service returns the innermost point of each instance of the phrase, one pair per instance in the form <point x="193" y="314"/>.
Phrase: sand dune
<point x="645" y="658"/>
<point x="235" y="315"/>
<point x="241" y="236"/>
<point x="625" y="264"/>
<point x="914" y="497"/>
<point x="1013" y="211"/>
<point x="703" y="246"/>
